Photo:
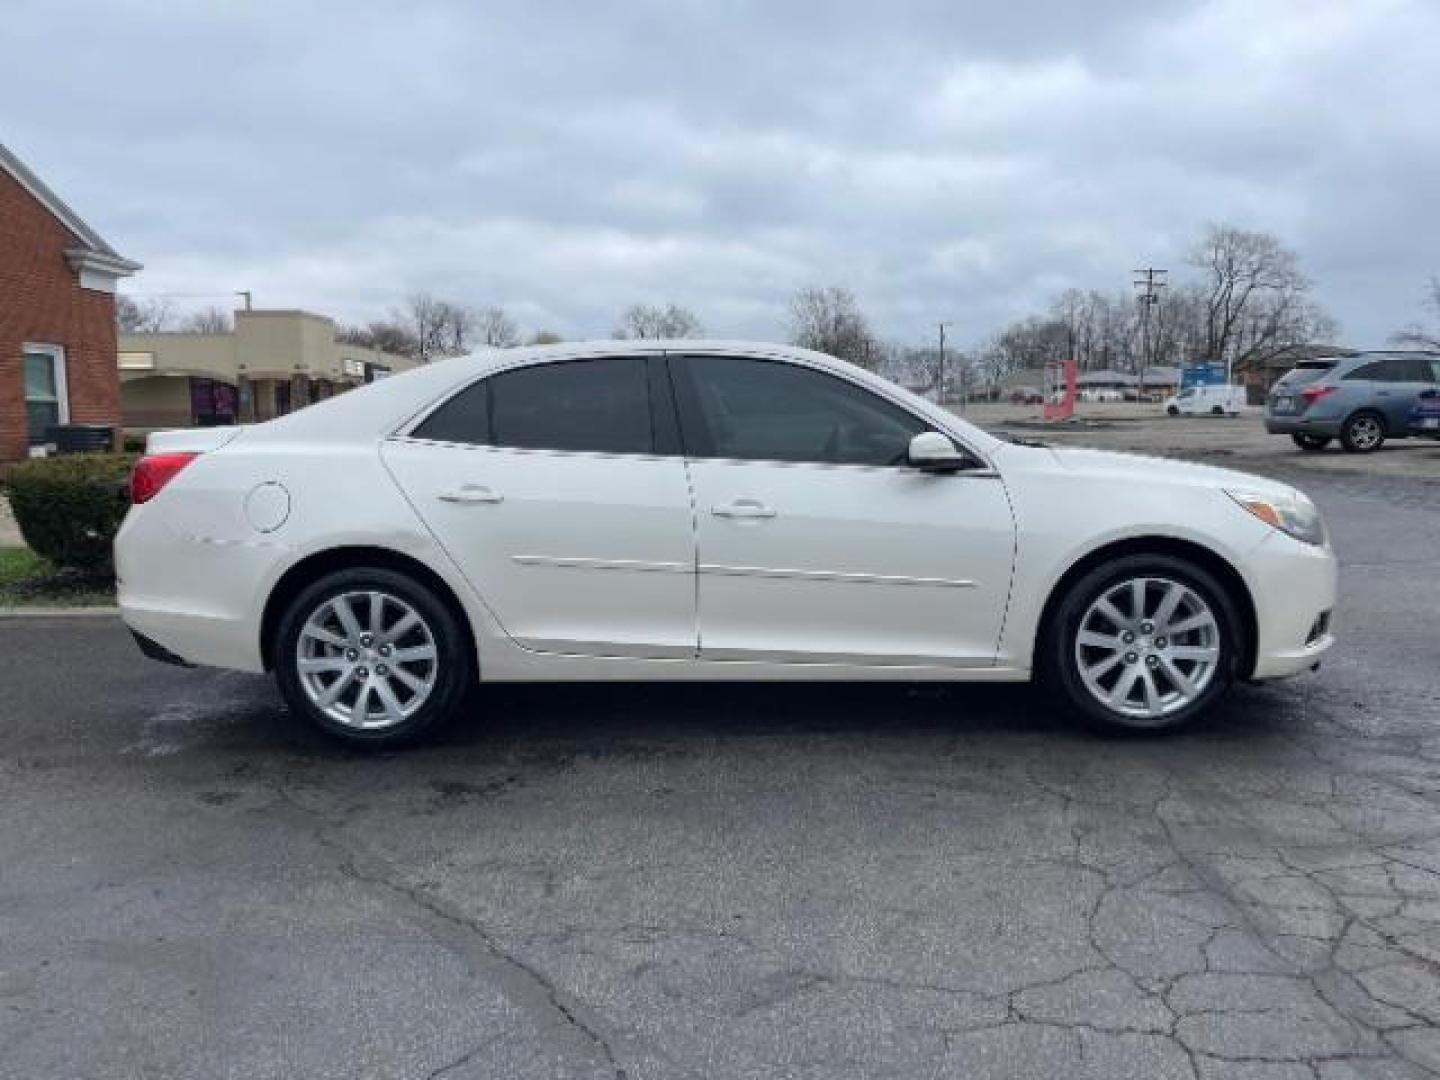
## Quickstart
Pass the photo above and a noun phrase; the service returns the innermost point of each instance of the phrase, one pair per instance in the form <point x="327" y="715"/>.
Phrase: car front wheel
<point x="1146" y="643"/>
<point x="372" y="657"/>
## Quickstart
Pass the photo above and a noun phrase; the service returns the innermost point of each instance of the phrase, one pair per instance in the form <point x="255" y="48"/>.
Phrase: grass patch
<point x="28" y="580"/>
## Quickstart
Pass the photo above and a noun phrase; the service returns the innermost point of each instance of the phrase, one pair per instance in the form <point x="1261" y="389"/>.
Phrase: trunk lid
<point x="191" y="440"/>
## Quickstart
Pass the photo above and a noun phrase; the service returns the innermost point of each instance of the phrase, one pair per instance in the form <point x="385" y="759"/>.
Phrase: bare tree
<point x="1256" y="298"/>
<point x="1416" y="335"/>
<point x="829" y="320"/>
<point x="209" y="320"/>
<point x="545" y="337"/>
<point x="384" y="335"/>
<point x="652" y="321"/>
<point x="440" y="327"/>
<point x="495" y="328"/>
<point x="149" y="316"/>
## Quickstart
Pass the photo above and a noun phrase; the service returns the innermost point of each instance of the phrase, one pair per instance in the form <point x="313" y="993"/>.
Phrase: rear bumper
<point x="1301" y="425"/>
<point x="1295" y="588"/>
<point x="191" y="600"/>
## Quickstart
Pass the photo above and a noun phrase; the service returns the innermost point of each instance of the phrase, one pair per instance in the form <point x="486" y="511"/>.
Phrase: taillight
<point x="153" y="471"/>
<point x="1312" y="394"/>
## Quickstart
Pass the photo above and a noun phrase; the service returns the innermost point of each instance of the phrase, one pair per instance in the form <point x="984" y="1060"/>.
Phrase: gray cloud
<point x="942" y="159"/>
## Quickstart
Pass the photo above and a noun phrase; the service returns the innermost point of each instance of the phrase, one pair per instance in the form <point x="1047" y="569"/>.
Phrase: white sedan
<point x="704" y="511"/>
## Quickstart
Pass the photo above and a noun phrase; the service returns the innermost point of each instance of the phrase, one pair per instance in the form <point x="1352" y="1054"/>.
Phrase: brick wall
<point x="41" y="301"/>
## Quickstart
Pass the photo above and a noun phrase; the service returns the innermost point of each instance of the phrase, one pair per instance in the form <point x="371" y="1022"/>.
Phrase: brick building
<point x="57" y="315"/>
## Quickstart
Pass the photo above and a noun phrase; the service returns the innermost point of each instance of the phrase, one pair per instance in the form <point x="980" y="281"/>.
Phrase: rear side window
<point x="586" y="406"/>
<point x="465" y="418"/>
<point x="1371" y="372"/>
<point x="1390" y="369"/>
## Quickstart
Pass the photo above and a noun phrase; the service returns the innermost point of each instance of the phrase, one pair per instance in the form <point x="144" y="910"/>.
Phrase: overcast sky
<point x="942" y="158"/>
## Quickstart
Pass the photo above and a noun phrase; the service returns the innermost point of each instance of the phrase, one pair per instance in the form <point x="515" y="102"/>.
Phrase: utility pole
<point x="940" y="394"/>
<point x="246" y="294"/>
<point x="1149" y="287"/>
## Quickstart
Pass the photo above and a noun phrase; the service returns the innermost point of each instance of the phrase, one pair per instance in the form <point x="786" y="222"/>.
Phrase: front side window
<point x="762" y="410"/>
<point x="587" y="406"/>
<point x="45" y="404"/>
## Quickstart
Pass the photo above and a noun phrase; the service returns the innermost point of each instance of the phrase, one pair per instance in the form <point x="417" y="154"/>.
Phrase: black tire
<point x="454" y="664"/>
<point x="1311" y="444"/>
<point x="1216" y="410"/>
<point x="1058" y="663"/>
<point x="1363" y="432"/>
<point x="1173" y="411"/>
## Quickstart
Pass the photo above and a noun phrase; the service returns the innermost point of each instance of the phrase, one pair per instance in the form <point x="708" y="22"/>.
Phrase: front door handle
<point x="471" y="493"/>
<point x="743" y="508"/>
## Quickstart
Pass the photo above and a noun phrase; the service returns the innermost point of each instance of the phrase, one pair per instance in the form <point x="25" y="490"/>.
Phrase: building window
<point x="46" y="400"/>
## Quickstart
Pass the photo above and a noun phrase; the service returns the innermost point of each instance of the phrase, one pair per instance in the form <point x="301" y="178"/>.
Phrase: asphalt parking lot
<point x="737" y="881"/>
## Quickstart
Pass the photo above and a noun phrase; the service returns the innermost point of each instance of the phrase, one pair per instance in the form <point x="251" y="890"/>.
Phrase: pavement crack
<point x="527" y="984"/>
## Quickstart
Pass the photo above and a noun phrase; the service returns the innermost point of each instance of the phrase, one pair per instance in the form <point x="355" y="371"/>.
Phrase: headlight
<point x="1296" y="515"/>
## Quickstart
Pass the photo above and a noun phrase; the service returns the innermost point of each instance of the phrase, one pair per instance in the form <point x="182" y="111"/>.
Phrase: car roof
<point x="382" y="407"/>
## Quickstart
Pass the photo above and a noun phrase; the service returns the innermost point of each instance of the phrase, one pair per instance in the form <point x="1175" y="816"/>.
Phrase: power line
<point x="1149" y="296"/>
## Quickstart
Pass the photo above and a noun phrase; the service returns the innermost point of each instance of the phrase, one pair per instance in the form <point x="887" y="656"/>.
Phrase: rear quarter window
<point x="1305" y="372"/>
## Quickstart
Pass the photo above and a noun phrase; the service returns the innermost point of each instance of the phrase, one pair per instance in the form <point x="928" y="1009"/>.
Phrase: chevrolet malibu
<point x="701" y="511"/>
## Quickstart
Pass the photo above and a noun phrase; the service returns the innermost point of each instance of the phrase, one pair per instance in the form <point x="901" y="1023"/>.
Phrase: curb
<point x="58" y="612"/>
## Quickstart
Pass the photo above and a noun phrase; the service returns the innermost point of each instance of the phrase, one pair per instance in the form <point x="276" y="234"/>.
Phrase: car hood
<point x="1167" y="470"/>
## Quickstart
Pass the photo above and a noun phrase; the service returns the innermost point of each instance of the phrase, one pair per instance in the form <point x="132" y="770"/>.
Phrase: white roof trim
<point x="93" y="244"/>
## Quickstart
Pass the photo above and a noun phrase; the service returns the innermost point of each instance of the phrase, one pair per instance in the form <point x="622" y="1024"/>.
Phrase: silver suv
<point x="1360" y="400"/>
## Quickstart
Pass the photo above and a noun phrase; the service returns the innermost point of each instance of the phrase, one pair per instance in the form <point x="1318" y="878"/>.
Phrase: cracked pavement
<point x="735" y="881"/>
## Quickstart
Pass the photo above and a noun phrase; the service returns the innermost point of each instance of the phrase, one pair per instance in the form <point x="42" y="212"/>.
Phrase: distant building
<point x="272" y="363"/>
<point x="1157" y="379"/>
<point x="57" y="315"/>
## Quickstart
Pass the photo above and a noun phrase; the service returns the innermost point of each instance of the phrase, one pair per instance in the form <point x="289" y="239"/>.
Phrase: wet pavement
<point x="735" y="881"/>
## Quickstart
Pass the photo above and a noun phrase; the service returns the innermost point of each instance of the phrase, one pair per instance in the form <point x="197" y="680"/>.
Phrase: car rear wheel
<point x="1311" y="443"/>
<point x="1363" y="433"/>
<point x="1173" y="411"/>
<point x="1146" y="643"/>
<point x="1216" y="410"/>
<point x="372" y="657"/>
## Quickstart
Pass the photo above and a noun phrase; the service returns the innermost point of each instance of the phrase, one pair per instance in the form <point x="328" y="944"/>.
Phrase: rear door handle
<point x="471" y="493"/>
<point x="743" y="508"/>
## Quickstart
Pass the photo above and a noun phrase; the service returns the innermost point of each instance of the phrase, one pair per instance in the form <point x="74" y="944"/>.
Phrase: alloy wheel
<point x="368" y="660"/>
<point x="1365" y="433"/>
<point x="1147" y="647"/>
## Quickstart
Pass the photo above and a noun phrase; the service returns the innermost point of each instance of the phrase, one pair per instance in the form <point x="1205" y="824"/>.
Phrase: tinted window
<point x="1373" y="371"/>
<point x="600" y="406"/>
<point x="766" y="411"/>
<point x="465" y="418"/>
<point x="1307" y="371"/>
<point x="1416" y="369"/>
<point x="1433" y="363"/>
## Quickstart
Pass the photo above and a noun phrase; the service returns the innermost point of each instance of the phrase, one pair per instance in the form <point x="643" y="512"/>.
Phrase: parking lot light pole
<point x="940" y="392"/>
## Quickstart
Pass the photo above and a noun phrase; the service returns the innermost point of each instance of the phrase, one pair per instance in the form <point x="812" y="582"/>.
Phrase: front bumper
<point x="1294" y="586"/>
<point x="1421" y="429"/>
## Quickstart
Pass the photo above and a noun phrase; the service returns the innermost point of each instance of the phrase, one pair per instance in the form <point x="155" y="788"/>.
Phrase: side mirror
<point x="934" y="452"/>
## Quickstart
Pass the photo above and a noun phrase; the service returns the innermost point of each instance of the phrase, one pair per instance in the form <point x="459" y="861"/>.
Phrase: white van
<point x="1200" y="400"/>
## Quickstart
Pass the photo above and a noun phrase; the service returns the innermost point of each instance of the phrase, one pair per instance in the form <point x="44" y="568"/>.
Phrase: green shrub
<point x="70" y="507"/>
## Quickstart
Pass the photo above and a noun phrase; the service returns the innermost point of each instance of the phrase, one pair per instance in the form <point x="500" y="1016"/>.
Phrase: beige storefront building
<point x="272" y="363"/>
